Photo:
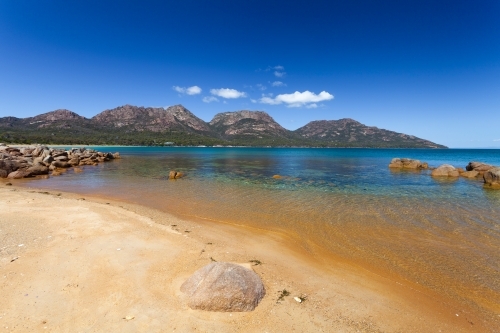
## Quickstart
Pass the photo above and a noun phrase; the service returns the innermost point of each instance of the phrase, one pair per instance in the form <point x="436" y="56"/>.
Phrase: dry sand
<point x="85" y="265"/>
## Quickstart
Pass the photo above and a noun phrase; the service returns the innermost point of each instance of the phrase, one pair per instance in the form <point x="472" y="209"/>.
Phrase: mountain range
<point x="133" y="125"/>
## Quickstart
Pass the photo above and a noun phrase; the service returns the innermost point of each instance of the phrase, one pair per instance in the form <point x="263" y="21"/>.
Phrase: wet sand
<point x="84" y="265"/>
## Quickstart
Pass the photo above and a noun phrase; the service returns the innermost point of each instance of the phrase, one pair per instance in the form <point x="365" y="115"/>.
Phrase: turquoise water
<point x="342" y="171"/>
<point x="443" y="234"/>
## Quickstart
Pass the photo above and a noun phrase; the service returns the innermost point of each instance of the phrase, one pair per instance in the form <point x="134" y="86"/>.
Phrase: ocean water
<point x="443" y="234"/>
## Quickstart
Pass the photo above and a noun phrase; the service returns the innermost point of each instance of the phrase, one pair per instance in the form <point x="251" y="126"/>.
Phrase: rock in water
<point x="478" y="166"/>
<point x="175" y="175"/>
<point x="406" y="163"/>
<point x="445" y="170"/>
<point x="492" y="178"/>
<point x="469" y="174"/>
<point x="223" y="286"/>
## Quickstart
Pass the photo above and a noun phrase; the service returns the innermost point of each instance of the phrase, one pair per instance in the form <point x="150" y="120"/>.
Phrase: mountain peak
<point x="246" y="123"/>
<point x="140" y="118"/>
<point x="60" y="114"/>
<point x="347" y="131"/>
<point x="130" y="124"/>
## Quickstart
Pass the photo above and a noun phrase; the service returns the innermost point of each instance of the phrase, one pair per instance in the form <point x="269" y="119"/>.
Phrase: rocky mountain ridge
<point x="348" y="130"/>
<point x="133" y="125"/>
<point x="246" y="123"/>
<point x="151" y="119"/>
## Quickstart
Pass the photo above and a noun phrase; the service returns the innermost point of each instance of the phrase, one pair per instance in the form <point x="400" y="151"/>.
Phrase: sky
<point x="425" y="68"/>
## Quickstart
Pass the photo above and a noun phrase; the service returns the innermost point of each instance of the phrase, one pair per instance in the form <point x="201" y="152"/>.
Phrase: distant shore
<point x="71" y="262"/>
<point x="219" y="146"/>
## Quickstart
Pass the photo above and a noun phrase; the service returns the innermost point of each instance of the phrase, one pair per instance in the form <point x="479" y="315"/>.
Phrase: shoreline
<point x="230" y="146"/>
<point x="269" y="147"/>
<point x="340" y="295"/>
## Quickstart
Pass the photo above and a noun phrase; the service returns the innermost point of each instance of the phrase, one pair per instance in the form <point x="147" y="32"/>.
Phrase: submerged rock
<point x="469" y="174"/>
<point x="175" y="175"/>
<point x="406" y="163"/>
<point x="445" y="170"/>
<point x="223" y="286"/>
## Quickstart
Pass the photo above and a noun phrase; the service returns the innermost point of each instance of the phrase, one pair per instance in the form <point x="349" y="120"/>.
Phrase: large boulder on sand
<point x="492" y="178"/>
<point x="406" y="163"/>
<point x="223" y="286"/>
<point x="445" y="170"/>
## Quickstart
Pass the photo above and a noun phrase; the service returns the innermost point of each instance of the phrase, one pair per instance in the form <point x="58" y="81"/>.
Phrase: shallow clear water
<point x="442" y="234"/>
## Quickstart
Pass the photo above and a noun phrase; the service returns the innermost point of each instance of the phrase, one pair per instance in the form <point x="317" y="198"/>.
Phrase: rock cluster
<point x="490" y="173"/>
<point x="406" y="163"/>
<point x="223" y="286"/>
<point x="37" y="160"/>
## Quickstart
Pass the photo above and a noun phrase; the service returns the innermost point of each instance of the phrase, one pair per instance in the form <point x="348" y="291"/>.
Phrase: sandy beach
<point x="74" y="264"/>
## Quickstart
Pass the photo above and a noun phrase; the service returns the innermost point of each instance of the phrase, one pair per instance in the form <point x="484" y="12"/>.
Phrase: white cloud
<point x="269" y="68"/>
<point x="253" y="100"/>
<point x="279" y="74"/>
<point x="194" y="90"/>
<point x="228" y="93"/>
<point x="179" y="89"/>
<point x="261" y="86"/>
<point x="278" y="84"/>
<point x="208" y="99"/>
<point x="269" y="100"/>
<point x="298" y="99"/>
<point x="312" y="106"/>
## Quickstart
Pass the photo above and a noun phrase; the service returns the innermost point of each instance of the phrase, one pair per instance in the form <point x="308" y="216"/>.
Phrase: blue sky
<point x="426" y="68"/>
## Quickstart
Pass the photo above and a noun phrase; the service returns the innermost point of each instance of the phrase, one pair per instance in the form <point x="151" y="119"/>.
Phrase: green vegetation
<point x="84" y="132"/>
